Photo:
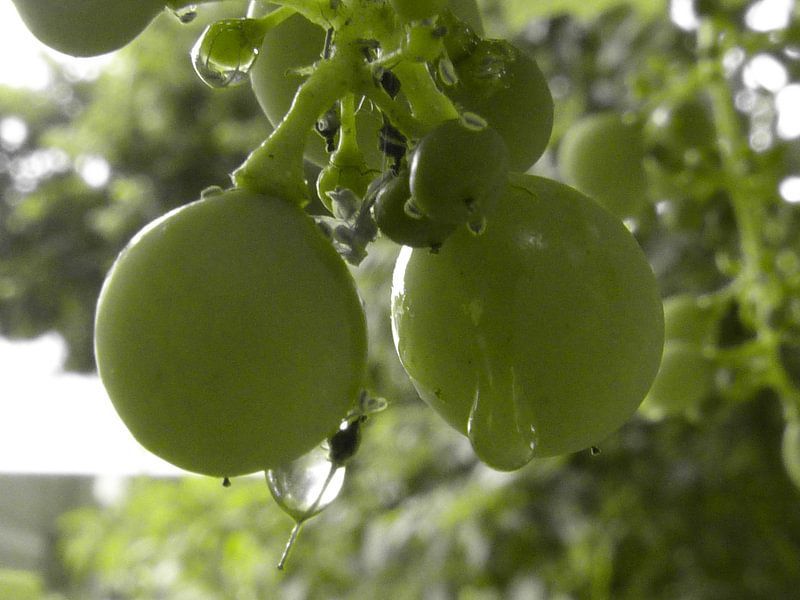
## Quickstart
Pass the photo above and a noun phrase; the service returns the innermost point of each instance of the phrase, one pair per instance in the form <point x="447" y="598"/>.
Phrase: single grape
<point x="87" y="27"/>
<point x="230" y="336"/>
<point x="691" y="319"/>
<point x="395" y="223"/>
<point x="458" y="172"/>
<point x="539" y="337"/>
<point x="684" y="379"/>
<point x="505" y="86"/>
<point x="602" y="156"/>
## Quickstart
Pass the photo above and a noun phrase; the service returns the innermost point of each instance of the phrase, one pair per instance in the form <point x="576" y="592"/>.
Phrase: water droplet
<point x="412" y="210"/>
<point x="473" y="121"/>
<point x="594" y="450"/>
<point x="186" y="14"/>
<point x="226" y="482"/>
<point x="447" y="72"/>
<point x="226" y="50"/>
<point x="307" y="485"/>
<point x="477" y="225"/>
<point x="498" y="436"/>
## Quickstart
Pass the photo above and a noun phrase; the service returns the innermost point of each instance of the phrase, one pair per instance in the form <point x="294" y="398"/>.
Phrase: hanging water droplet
<point x="306" y="485"/>
<point x="497" y="435"/>
<point x="594" y="450"/>
<point x="226" y="482"/>
<point x="186" y="14"/>
<point x="477" y="225"/>
<point x="226" y="50"/>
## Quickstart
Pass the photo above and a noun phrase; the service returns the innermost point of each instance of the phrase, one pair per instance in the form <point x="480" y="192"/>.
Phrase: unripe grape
<point x="602" y="156"/>
<point x="229" y="335"/>
<point x="87" y="27"/>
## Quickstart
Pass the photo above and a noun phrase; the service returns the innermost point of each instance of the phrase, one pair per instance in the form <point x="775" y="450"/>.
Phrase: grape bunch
<point x="229" y="333"/>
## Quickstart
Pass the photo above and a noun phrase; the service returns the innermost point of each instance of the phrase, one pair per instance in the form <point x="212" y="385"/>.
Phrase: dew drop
<point x="594" y="450"/>
<point x="497" y="435"/>
<point x="226" y="482"/>
<point x="303" y="488"/>
<point x="412" y="210"/>
<point x="226" y="51"/>
<point x="477" y="225"/>
<point x="186" y="14"/>
<point x="307" y="485"/>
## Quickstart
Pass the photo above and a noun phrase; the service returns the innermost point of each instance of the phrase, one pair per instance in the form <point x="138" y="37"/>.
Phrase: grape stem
<point x="755" y="281"/>
<point x="276" y="167"/>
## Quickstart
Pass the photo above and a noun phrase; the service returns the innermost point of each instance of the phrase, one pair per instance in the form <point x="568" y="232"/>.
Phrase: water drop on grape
<point x="186" y="14"/>
<point x="226" y="482"/>
<point x="226" y="50"/>
<point x="412" y="210"/>
<point x="307" y="485"/>
<point x="477" y="225"/>
<point x="498" y="435"/>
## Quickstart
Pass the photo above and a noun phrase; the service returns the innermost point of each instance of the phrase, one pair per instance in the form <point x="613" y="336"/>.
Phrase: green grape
<point x="294" y="44"/>
<point x="690" y="319"/>
<point x="230" y="336"/>
<point x="87" y="27"/>
<point x="537" y="338"/>
<point x="416" y="10"/>
<point x="458" y="172"/>
<point x="684" y="379"/>
<point x="417" y="231"/>
<point x="505" y="86"/>
<point x="601" y="155"/>
<point x="790" y="451"/>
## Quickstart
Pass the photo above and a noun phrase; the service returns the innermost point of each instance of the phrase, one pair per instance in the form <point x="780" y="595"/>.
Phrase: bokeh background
<point x="696" y="502"/>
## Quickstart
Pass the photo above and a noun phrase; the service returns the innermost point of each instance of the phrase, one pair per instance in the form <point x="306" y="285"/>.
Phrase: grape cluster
<point x="229" y="332"/>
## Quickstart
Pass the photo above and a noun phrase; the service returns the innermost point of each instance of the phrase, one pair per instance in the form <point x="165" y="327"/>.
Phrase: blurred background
<point x="693" y="499"/>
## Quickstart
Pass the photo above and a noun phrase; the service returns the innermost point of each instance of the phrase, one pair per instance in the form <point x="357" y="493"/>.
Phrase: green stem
<point x="428" y="104"/>
<point x="276" y="167"/>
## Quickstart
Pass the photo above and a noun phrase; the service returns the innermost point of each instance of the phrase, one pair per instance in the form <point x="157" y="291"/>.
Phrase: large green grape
<point x="505" y="86"/>
<point x="602" y="156"/>
<point x="229" y="335"/>
<point x="539" y="337"/>
<point x="87" y="27"/>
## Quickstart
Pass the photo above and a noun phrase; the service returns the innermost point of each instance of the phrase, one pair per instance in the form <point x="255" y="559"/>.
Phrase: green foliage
<point x="671" y="508"/>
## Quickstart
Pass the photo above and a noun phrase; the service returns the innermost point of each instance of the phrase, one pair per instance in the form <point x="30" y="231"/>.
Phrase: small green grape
<point x="400" y="227"/>
<point x="691" y="319"/>
<point x="229" y="335"/>
<point x="87" y="27"/>
<point x="505" y="86"/>
<point x="602" y="156"/>
<point x="684" y="379"/>
<point x="458" y="172"/>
